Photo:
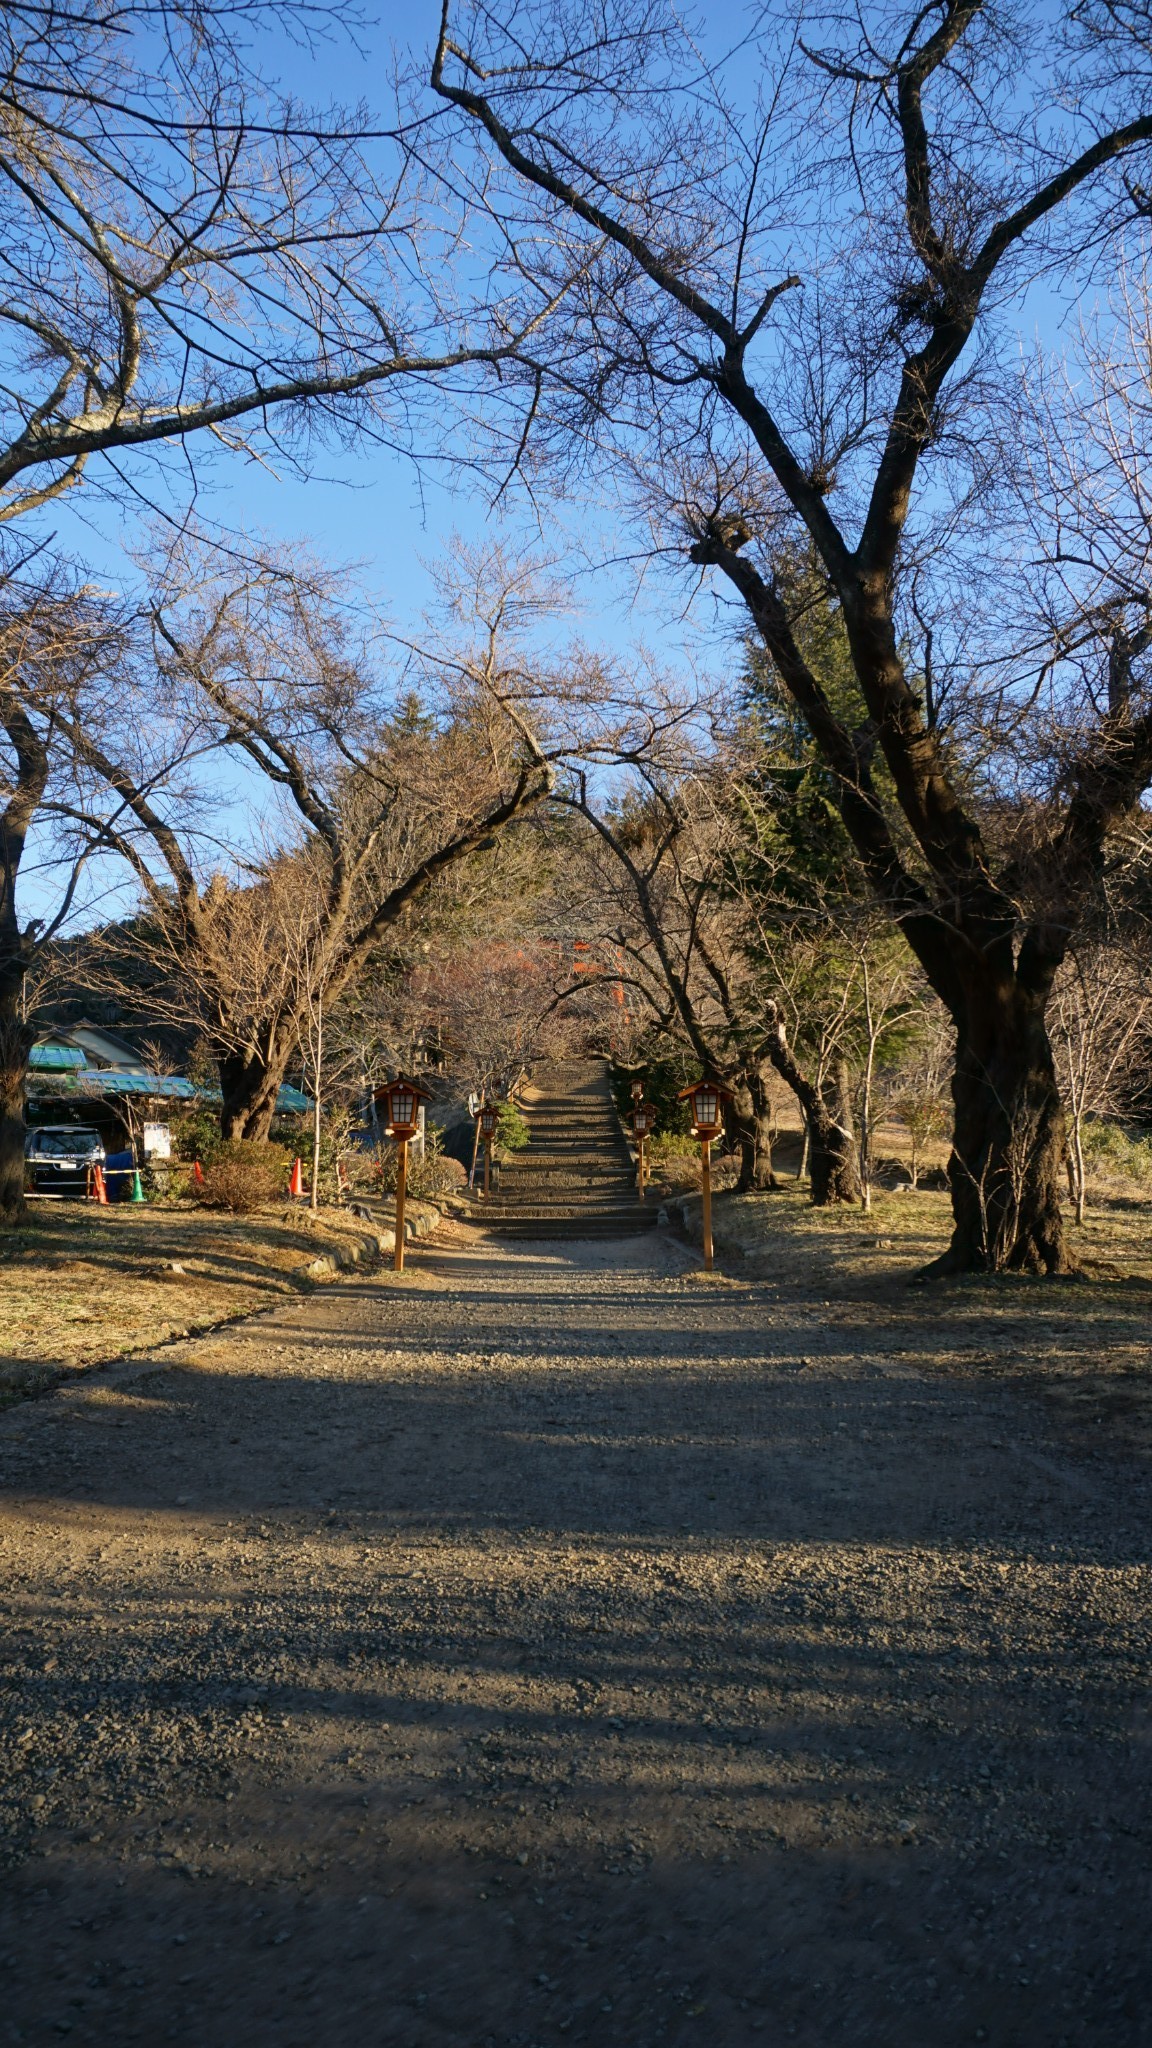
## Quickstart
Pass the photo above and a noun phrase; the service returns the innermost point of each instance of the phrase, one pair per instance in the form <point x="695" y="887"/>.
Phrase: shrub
<point x="674" y="1159"/>
<point x="435" y="1174"/>
<point x="243" y="1176"/>
<point x="196" y="1134"/>
<point x="512" y="1132"/>
<point x="1112" y="1150"/>
<point x="445" y="1174"/>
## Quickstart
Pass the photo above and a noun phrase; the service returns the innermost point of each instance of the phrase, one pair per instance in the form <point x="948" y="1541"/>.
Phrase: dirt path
<point x="546" y="1649"/>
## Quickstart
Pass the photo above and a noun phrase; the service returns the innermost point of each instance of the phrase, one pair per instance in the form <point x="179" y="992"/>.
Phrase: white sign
<point x="157" y="1141"/>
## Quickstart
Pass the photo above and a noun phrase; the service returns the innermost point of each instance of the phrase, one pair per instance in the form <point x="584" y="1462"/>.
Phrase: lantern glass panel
<point x="707" y="1106"/>
<point x="403" y="1106"/>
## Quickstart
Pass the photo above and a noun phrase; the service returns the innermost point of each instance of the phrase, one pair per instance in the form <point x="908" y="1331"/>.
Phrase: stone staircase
<point x="575" y="1179"/>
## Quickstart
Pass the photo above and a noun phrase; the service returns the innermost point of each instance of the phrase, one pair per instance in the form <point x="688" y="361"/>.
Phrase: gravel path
<point x="548" y="1647"/>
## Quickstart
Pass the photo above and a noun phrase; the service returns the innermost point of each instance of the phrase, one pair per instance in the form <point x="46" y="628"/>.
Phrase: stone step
<point x="576" y="1172"/>
<point x="572" y="1170"/>
<point x="575" y="1178"/>
<point x="574" y="1184"/>
<point x="497" y="1207"/>
<point x="570" y="1227"/>
<point x="564" y="1140"/>
<point x="588" y="1113"/>
<point x="571" y="1119"/>
<point x="567" y="1198"/>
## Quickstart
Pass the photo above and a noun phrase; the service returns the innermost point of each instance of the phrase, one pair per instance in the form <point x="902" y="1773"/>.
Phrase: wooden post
<point x="706" y="1183"/>
<point x="401" y="1190"/>
<point x="487" y="1164"/>
<point x="640" y="1164"/>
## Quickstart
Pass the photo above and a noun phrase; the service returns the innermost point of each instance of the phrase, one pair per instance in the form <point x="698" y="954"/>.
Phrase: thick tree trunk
<point x="15" y="1041"/>
<point x="833" y="1175"/>
<point x="752" y="1118"/>
<point x="833" y="1170"/>
<point x="249" y="1085"/>
<point x="1009" y="1145"/>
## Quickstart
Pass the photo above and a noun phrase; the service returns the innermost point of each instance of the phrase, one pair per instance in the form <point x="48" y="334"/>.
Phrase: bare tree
<point x="61" y="657"/>
<point x="791" y="302"/>
<point x="386" y="797"/>
<point x="1101" y="1012"/>
<point x="185" y="254"/>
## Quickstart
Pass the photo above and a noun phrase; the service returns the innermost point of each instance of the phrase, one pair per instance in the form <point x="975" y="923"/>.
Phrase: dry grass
<point x="81" y="1284"/>
<point x="1082" y="1343"/>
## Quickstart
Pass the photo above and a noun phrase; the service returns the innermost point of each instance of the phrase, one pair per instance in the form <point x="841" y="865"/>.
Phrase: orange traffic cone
<point x="197" y="1173"/>
<point x="296" y="1184"/>
<point x="99" y="1189"/>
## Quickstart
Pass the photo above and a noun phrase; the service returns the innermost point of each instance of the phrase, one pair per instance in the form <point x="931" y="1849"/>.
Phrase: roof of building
<point x="86" y="1059"/>
<point x="50" y="1056"/>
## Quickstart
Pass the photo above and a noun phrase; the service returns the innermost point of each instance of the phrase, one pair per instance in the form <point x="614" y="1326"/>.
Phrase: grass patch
<point x="80" y="1284"/>
<point x="1082" y="1344"/>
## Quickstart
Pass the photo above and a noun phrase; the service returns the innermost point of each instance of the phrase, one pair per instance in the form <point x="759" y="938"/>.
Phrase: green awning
<point x="48" y="1058"/>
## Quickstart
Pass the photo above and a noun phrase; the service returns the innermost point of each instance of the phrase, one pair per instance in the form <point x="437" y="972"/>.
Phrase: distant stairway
<point x="575" y="1178"/>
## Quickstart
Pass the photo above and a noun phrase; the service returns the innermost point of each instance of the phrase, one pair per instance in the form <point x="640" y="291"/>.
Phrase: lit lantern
<point x="707" y="1099"/>
<point x="643" y="1118"/>
<point x="400" y="1101"/>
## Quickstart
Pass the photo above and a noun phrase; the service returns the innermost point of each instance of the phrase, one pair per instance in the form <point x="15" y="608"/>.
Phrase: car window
<point x="66" y="1144"/>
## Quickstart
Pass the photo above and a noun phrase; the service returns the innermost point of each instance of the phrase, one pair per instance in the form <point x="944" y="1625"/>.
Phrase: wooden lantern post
<point x="707" y="1099"/>
<point x="402" y="1099"/>
<point x="643" y="1119"/>
<point x="488" y="1118"/>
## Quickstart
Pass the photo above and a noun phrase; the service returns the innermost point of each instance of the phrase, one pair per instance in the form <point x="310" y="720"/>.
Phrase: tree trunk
<point x="1081" y="1171"/>
<point x="828" y="1123"/>
<point x="15" y="1041"/>
<point x="832" y="1155"/>
<point x="317" y="1080"/>
<point x="762" y="1129"/>
<point x="752" y="1120"/>
<point x="249" y="1085"/>
<point x="1009" y="1145"/>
